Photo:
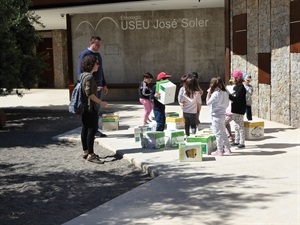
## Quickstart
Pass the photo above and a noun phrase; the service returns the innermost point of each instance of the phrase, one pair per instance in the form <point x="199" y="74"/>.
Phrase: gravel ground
<point x="47" y="182"/>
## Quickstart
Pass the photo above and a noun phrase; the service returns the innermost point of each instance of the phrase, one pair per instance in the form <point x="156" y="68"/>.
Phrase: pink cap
<point x="237" y="74"/>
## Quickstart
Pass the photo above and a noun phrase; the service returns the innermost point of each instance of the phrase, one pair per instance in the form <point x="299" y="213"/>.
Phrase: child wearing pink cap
<point x="238" y="108"/>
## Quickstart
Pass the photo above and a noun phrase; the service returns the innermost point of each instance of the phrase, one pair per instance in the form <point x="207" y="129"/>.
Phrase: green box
<point x="204" y="139"/>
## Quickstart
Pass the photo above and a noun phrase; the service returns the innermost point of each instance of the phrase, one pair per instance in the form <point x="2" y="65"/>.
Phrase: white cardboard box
<point x="138" y="132"/>
<point x="153" y="139"/>
<point x="190" y="152"/>
<point x="167" y="91"/>
<point x="110" y="122"/>
<point x="254" y="130"/>
<point x="174" y="137"/>
<point x="175" y="123"/>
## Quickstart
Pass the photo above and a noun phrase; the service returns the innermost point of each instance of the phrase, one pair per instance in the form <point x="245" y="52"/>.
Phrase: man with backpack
<point x="93" y="49"/>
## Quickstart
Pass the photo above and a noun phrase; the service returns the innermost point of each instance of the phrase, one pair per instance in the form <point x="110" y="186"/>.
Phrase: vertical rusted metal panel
<point x="264" y="68"/>
<point x="295" y="27"/>
<point x="239" y="26"/>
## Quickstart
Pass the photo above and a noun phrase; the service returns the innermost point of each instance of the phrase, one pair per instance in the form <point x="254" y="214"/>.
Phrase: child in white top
<point x="190" y="102"/>
<point x="228" y="114"/>
<point x="195" y="74"/>
<point x="218" y="99"/>
<point x="249" y="92"/>
<point x="182" y="88"/>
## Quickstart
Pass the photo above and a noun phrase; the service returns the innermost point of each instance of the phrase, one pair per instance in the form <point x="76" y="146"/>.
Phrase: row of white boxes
<point x="253" y="129"/>
<point x="190" y="150"/>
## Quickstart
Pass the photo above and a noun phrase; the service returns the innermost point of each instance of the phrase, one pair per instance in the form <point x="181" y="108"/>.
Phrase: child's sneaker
<point x="240" y="146"/>
<point x="227" y="151"/>
<point x="217" y="153"/>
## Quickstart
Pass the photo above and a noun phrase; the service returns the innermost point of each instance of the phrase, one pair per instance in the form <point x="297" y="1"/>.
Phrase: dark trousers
<point x="249" y="112"/>
<point x="89" y="128"/>
<point x="160" y="118"/>
<point x="190" y="122"/>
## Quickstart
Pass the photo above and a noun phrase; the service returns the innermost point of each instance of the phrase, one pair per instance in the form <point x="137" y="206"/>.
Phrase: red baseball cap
<point x="162" y="75"/>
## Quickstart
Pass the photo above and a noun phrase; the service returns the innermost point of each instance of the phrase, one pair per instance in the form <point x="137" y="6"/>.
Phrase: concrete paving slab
<point x="255" y="185"/>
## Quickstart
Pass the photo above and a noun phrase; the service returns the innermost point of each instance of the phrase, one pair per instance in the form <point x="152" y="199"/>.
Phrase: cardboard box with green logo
<point x="110" y="122"/>
<point x="174" y="137"/>
<point x="206" y="140"/>
<point x="167" y="91"/>
<point x="153" y="139"/>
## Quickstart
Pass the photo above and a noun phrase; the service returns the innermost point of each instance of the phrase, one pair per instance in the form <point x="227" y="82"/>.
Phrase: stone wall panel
<point x="295" y="93"/>
<point x="280" y="56"/>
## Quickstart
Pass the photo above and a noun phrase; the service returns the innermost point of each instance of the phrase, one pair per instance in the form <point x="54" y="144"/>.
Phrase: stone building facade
<point x="268" y="58"/>
<point x="263" y="37"/>
<point x="60" y="56"/>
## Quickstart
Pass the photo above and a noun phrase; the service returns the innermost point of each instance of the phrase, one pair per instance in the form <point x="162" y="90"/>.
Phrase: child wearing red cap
<point x="158" y="107"/>
<point x="238" y="108"/>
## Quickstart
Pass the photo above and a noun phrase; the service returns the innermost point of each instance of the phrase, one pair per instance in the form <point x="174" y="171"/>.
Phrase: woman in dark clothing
<point x="90" y="115"/>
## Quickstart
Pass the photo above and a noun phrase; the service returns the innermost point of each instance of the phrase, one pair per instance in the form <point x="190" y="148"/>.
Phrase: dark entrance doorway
<point x="47" y="78"/>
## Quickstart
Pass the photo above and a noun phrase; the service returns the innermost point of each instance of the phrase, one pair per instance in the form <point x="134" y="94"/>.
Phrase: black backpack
<point x="79" y="100"/>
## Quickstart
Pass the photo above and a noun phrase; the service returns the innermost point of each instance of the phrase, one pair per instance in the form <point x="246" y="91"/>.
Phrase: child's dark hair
<point x="216" y="83"/>
<point x="183" y="79"/>
<point x="192" y="86"/>
<point x="194" y="74"/>
<point x="148" y="75"/>
<point x="238" y="81"/>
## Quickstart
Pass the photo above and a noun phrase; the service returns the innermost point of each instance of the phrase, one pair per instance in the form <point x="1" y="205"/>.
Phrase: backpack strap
<point x="82" y="76"/>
